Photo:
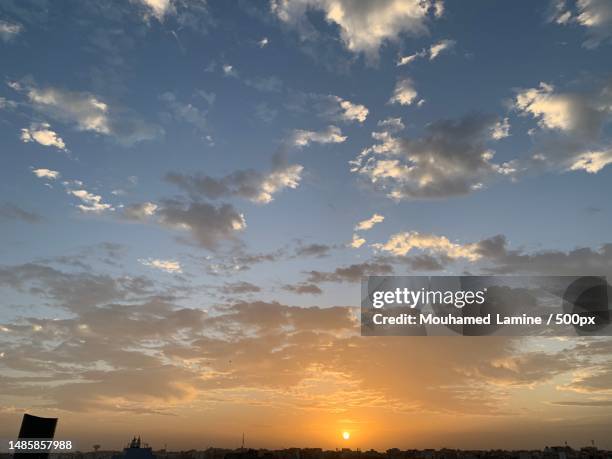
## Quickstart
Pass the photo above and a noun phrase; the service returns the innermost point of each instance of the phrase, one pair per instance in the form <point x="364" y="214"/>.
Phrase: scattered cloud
<point x="391" y="124"/>
<point x="91" y="203"/>
<point x="140" y="211"/>
<point x="451" y="159"/>
<point x="239" y="288"/>
<point x="257" y="187"/>
<point x="594" y="15"/>
<point x="9" y="30"/>
<point x="571" y="126"/>
<point x="88" y="112"/>
<point x="207" y="224"/>
<point x="169" y="266"/>
<point x="401" y="244"/>
<point x="263" y="42"/>
<point x="9" y="211"/>
<point x="364" y="26"/>
<point x="442" y="46"/>
<point x="303" y="289"/>
<point x="332" y="134"/>
<point x="369" y="223"/>
<point x="404" y="92"/>
<point x="42" y="134"/>
<point x="357" y="241"/>
<point x="46" y="174"/>
<point x="351" y="273"/>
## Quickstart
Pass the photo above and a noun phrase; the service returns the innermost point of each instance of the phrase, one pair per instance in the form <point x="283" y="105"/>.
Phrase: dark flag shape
<point x="36" y="427"/>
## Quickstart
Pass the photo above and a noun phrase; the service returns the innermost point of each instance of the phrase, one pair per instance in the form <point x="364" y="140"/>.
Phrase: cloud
<point x="364" y="26"/>
<point x="351" y="111"/>
<point x="332" y="134"/>
<point x="357" y="241"/>
<point x="157" y="8"/>
<point x="140" y="211"/>
<point x="369" y="223"/>
<point x="569" y="112"/>
<point x="187" y="113"/>
<point x="432" y="52"/>
<point x="169" y="266"/>
<point x="46" y="173"/>
<point x="501" y="130"/>
<point x="594" y="15"/>
<point x="405" y="60"/>
<point x="42" y="134"/>
<point x="571" y="126"/>
<point x="91" y="203"/>
<point x="263" y="42"/>
<point x="303" y="289"/>
<point x="591" y="161"/>
<point x="237" y="288"/>
<point x="88" y="112"/>
<point x="10" y="211"/>
<point x="391" y="124"/>
<point x="328" y="106"/>
<point x="312" y="250"/>
<point x="351" y="273"/>
<point x="207" y="224"/>
<point x="257" y="187"/>
<point x="437" y="48"/>
<point x="8" y="30"/>
<point x="451" y="159"/>
<point x="404" y="92"/>
<point x="401" y="244"/>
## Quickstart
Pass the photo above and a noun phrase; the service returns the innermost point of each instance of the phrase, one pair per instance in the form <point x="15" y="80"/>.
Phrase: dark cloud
<point x="207" y="224"/>
<point x="71" y="290"/>
<point x="451" y="159"/>
<point x="10" y="211"/>
<point x="303" y="289"/>
<point x="352" y="273"/>
<point x="239" y="288"/>
<point x="250" y="184"/>
<point x="312" y="250"/>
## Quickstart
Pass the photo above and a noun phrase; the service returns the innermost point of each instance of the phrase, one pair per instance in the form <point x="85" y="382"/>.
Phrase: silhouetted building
<point x="136" y="450"/>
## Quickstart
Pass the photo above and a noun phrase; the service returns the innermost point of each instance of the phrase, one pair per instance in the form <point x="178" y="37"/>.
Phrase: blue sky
<point x="224" y="153"/>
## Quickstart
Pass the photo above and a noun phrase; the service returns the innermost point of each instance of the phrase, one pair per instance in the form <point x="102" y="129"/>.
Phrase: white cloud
<point x="392" y="124"/>
<point x="437" y="48"/>
<point x="401" y="244"/>
<point x="351" y="111"/>
<point x="405" y="60"/>
<point x="501" y="129"/>
<point x="46" y="173"/>
<point x="404" y="93"/>
<point x="141" y="211"/>
<point x="364" y="25"/>
<point x="592" y="161"/>
<point x="594" y="15"/>
<point x="156" y="8"/>
<point x="7" y="104"/>
<point x="9" y="30"/>
<point x="42" y="134"/>
<point x="88" y="113"/>
<point x="229" y="70"/>
<point x="332" y="134"/>
<point x="369" y="223"/>
<point x="92" y="203"/>
<point x="357" y="241"/>
<point x="288" y="176"/>
<point x="452" y="158"/>
<point x="263" y="42"/>
<point x="169" y="266"/>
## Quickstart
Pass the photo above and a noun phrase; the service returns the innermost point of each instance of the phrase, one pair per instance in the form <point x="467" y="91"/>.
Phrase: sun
<point x="346" y="435"/>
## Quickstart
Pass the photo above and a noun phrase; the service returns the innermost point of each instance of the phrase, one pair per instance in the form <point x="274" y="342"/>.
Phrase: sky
<point x="191" y="192"/>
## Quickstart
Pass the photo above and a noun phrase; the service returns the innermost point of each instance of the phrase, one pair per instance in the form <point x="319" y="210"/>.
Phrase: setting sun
<point x="346" y="435"/>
